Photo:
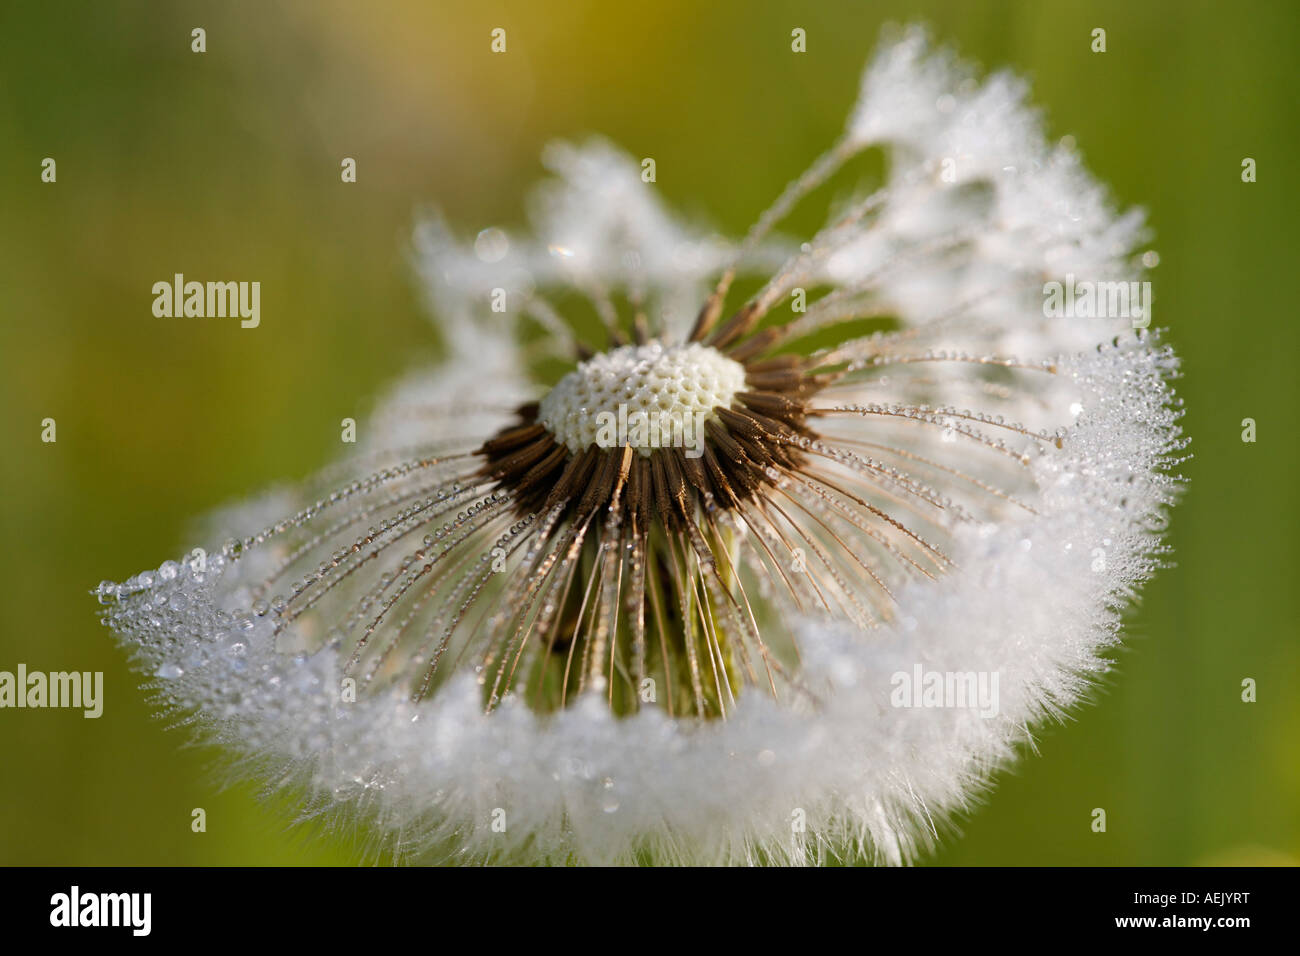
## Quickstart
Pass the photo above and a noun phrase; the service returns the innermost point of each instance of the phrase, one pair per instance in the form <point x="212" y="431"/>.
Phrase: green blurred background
<point x="226" y="165"/>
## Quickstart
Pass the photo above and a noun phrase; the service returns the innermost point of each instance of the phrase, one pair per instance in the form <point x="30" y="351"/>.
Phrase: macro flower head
<point x="780" y="574"/>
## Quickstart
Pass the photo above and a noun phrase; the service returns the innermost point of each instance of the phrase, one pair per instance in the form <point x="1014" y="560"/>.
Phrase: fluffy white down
<point x="1030" y="601"/>
<point x="1036" y="598"/>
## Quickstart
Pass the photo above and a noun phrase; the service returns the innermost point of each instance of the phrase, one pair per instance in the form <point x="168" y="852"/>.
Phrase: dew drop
<point x="491" y="245"/>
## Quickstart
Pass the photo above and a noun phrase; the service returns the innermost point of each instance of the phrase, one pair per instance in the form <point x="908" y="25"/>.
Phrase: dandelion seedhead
<point x="664" y="609"/>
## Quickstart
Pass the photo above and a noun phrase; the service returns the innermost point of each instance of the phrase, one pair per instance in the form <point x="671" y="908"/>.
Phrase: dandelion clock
<point x="783" y="564"/>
